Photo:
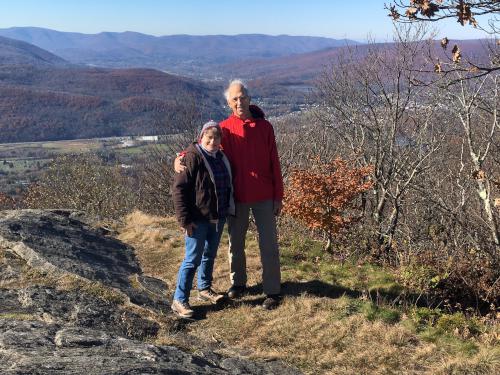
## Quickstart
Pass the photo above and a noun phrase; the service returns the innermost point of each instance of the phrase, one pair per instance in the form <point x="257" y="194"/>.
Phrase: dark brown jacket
<point x="193" y="190"/>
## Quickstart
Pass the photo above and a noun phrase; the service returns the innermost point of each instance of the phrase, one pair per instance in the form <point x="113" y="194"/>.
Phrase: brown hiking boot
<point x="235" y="291"/>
<point x="271" y="302"/>
<point x="210" y="295"/>
<point x="182" y="309"/>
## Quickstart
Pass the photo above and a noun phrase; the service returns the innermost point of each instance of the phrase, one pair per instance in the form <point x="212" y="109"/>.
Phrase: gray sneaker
<point x="182" y="309"/>
<point x="210" y="295"/>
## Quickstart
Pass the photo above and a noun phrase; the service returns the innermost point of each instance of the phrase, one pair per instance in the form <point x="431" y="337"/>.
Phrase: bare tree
<point x="476" y="105"/>
<point x="382" y="118"/>
<point x="156" y="170"/>
<point x="299" y="138"/>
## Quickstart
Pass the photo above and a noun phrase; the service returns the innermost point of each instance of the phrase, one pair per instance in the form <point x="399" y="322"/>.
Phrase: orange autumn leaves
<point x="323" y="196"/>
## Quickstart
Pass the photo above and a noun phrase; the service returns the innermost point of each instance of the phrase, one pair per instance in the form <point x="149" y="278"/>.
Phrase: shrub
<point x="459" y="325"/>
<point x="323" y="197"/>
<point x="156" y="174"/>
<point x="467" y="279"/>
<point x="82" y="182"/>
<point x="374" y="312"/>
<point x="6" y="202"/>
<point x="424" y="317"/>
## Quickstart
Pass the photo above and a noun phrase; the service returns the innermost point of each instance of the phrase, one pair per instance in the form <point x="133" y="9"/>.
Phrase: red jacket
<point x="250" y="147"/>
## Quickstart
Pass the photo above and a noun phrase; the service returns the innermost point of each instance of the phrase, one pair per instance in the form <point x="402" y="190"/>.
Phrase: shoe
<point x="236" y="291"/>
<point x="271" y="302"/>
<point x="182" y="309"/>
<point x="210" y="295"/>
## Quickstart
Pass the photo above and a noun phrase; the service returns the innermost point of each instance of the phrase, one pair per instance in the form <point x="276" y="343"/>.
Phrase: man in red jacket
<point x="250" y="146"/>
<point x="249" y="143"/>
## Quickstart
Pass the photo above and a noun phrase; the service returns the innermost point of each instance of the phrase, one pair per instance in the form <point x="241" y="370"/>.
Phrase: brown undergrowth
<point x="328" y="323"/>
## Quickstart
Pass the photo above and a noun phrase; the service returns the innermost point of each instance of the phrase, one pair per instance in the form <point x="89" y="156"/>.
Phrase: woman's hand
<point x="189" y="229"/>
<point x="277" y="207"/>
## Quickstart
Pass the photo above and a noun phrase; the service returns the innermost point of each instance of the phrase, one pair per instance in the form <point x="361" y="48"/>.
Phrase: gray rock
<point x="76" y="308"/>
<point x="41" y="348"/>
<point x="94" y="326"/>
<point x="55" y="242"/>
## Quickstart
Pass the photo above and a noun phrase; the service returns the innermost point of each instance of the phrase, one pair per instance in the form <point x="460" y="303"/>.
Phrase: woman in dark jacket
<point x="203" y="197"/>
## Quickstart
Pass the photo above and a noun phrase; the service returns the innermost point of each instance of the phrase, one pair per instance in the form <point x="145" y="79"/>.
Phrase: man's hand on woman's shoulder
<point x="178" y="166"/>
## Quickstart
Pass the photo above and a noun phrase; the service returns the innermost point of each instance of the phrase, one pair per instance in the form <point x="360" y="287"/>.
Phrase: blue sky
<point x="330" y="18"/>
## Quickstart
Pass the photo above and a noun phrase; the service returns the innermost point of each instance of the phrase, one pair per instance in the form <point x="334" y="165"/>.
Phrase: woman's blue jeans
<point x="201" y="250"/>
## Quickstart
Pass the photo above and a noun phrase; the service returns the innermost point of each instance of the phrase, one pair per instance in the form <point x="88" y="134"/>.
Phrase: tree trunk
<point x="328" y="246"/>
<point x="483" y="190"/>
<point x="391" y="230"/>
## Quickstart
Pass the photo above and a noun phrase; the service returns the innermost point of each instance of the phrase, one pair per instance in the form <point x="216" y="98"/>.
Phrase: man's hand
<point x="278" y="205"/>
<point x="178" y="166"/>
<point x="189" y="229"/>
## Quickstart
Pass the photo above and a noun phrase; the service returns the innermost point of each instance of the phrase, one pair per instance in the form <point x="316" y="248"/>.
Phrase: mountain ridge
<point x="19" y="52"/>
<point x="193" y="55"/>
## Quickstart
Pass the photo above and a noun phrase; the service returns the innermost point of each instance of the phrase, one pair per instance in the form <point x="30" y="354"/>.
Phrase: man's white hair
<point x="235" y="82"/>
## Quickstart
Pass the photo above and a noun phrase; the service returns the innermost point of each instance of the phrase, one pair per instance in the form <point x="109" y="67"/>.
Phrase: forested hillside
<point x="44" y="98"/>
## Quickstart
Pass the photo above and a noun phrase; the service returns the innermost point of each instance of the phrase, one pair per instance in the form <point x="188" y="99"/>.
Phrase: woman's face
<point x="211" y="140"/>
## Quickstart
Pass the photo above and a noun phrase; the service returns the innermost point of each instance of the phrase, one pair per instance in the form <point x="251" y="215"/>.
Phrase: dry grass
<point x="93" y="288"/>
<point x="18" y="316"/>
<point x="158" y="243"/>
<point x="320" y="335"/>
<point x="306" y="331"/>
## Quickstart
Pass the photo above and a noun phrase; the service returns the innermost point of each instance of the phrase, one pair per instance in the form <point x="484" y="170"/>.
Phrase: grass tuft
<point x="373" y="312"/>
<point x="18" y="316"/>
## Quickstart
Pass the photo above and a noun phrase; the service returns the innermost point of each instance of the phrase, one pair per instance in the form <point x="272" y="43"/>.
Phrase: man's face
<point x="238" y="101"/>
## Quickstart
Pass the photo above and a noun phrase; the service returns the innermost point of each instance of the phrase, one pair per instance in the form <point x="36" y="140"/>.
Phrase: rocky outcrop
<point x="74" y="300"/>
<point x="34" y="347"/>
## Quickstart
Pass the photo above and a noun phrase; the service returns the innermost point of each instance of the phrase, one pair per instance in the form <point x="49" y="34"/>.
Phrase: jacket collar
<point x="248" y="120"/>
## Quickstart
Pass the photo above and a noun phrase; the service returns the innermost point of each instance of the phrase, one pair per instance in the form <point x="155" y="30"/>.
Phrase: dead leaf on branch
<point x="438" y="68"/>
<point x="456" y="54"/>
<point x="428" y="9"/>
<point x="444" y="42"/>
<point x="394" y="13"/>
<point x="411" y="13"/>
<point x="464" y="14"/>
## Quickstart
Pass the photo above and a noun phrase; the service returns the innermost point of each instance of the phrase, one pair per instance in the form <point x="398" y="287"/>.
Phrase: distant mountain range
<point x="304" y="68"/>
<point x="182" y="54"/>
<point x="43" y="97"/>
